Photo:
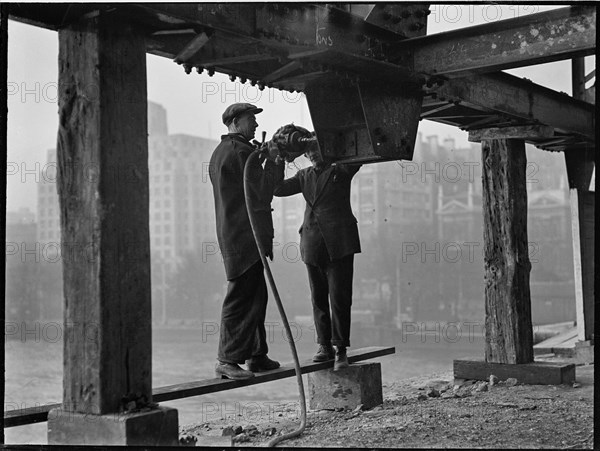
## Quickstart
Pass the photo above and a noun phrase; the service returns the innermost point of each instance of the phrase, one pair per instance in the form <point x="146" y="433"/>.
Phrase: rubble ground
<point x="433" y="411"/>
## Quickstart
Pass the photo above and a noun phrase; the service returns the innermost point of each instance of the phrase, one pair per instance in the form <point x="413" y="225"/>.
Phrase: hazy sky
<point x="194" y="102"/>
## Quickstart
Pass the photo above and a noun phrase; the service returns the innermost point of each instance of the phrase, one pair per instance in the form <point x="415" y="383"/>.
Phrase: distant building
<point x="182" y="215"/>
<point x="181" y="200"/>
<point x="48" y="213"/>
<point x="460" y="228"/>
<point x="22" y="252"/>
<point x="20" y="225"/>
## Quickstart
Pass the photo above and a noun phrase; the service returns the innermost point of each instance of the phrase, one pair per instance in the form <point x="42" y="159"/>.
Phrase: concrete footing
<point x="584" y="351"/>
<point x="155" y="427"/>
<point x="360" y="383"/>
<point x="544" y="373"/>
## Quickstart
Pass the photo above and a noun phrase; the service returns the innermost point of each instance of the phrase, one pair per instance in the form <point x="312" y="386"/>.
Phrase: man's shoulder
<point x="236" y="141"/>
<point x="230" y="146"/>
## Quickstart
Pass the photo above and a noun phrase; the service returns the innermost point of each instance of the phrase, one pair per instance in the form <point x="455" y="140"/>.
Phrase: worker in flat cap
<point x="242" y="333"/>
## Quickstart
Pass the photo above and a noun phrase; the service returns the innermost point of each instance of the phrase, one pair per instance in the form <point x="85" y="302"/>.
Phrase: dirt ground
<point x="432" y="411"/>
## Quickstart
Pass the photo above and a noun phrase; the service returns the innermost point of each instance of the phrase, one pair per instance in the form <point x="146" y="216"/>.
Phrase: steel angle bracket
<point x="338" y="120"/>
<point x="365" y="122"/>
<point x="392" y="118"/>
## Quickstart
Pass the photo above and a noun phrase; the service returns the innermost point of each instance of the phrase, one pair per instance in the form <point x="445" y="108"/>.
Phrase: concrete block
<point x="155" y="427"/>
<point x="584" y="352"/>
<point x="360" y="383"/>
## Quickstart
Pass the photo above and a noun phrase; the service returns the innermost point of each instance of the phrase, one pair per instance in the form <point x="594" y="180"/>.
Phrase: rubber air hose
<point x="253" y="156"/>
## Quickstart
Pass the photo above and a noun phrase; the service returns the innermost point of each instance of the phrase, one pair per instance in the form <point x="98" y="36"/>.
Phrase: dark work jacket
<point x="328" y="212"/>
<point x="234" y="233"/>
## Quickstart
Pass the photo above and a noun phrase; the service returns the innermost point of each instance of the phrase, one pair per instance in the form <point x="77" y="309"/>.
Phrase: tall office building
<point x="48" y="213"/>
<point x="22" y="252"/>
<point x="181" y="202"/>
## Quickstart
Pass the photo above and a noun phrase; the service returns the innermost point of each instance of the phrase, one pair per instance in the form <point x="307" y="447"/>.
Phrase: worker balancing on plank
<point x="328" y="241"/>
<point x="242" y="333"/>
<point x="242" y="336"/>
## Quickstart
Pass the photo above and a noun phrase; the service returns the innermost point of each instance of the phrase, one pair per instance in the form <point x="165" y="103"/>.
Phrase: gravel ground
<point x="432" y="411"/>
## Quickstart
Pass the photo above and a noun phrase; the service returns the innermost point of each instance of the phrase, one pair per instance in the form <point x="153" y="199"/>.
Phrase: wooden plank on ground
<point x="542" y="373"/>
<point x="19" y="417"/>
<point x="204" y="387"/>
<point x="566" y="339"/>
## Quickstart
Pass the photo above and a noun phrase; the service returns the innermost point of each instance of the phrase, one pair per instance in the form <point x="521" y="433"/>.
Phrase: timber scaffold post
<point x="370" y="73"/>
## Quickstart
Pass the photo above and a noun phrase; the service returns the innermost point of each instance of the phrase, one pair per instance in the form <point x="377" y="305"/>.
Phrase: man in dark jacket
<point x="328" y="241"/>
<point x="242" y="333"/>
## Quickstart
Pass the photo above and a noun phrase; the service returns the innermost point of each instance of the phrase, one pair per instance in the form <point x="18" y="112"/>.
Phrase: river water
<point x="34" y="369"/>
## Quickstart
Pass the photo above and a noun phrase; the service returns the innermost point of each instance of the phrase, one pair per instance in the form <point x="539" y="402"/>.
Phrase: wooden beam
<point x="103" y="135"/>
<point x="530" y="39"/>
<point x="583" y="233"/>
<point x="508" y="328"/>
<point x="308" y="366"/>
<point x="535" y="373"/>
<point x="517" y="132"/>
<point x="580" y="167"/>
<point x="580" y="170"/>
<point x="171" y="392"/>
<point x="509" y="95"/>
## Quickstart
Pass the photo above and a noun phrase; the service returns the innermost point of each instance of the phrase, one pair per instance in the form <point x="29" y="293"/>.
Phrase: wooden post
<point x="582" y="228"/>
<point x="102" y="154"/>
<point x="509" y="334"/>
<point x="508" y="328"/>
<point x="580" y="167"/>
<point x="3" y="166"/>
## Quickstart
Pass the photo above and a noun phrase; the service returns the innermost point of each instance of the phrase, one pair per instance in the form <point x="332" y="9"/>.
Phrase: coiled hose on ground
<point x="288" y="332"/>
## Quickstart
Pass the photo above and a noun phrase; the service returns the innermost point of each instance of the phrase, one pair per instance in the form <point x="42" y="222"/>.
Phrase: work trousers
<point x="332" y="280"/>
<point x="242" y="332"/>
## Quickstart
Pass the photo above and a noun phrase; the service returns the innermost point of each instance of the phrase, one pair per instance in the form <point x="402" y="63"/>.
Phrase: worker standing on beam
<point x="328" y="241"/>
<point x="242" y="336"/>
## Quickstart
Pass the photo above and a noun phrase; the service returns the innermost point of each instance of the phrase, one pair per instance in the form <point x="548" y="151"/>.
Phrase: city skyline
<point x="431" y="206"/>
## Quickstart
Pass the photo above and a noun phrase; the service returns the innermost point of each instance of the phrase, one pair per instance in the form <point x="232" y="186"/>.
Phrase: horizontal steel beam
<point x="513" y="96"/>
<point x="344" y="41"/>
<point x="532" y="39"/>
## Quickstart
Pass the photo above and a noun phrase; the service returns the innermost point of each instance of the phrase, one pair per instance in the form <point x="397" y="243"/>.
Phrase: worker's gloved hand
<point x="269" y="150"/>
<point x="272" y="151"/>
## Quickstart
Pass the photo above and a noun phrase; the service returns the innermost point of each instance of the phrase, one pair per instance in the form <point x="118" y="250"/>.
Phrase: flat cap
<point x="236" y="109"/>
